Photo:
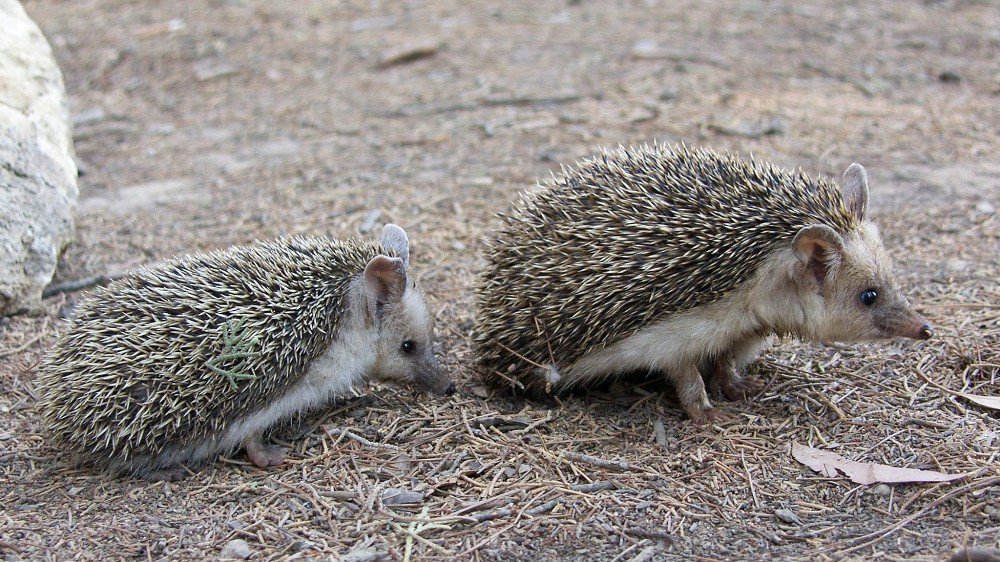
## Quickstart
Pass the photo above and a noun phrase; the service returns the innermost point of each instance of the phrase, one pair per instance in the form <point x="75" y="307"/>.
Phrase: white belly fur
<point x="674" y="344"/>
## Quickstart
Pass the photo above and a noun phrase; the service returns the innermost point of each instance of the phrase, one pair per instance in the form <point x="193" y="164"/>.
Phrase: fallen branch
<point x="544" y="508"/>
<point x="641" y="533"/>
<point x="603" y="463"/>
<point x="342" y="432"/>
<point x="491" y="515"/>
<point x="79" y="284"/>
<point x="600" y="486"/>
<point x="494" y="101"/>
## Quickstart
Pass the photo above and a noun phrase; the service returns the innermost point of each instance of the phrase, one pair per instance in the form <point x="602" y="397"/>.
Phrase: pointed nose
<point x="926" y="332"/>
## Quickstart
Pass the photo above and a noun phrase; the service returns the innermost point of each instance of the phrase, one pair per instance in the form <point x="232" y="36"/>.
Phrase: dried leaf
<point x="828" y="463"/>
<point x="992" y="402"/>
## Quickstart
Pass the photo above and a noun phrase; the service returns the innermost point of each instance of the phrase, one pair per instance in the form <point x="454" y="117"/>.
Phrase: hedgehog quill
<point x="200" y="355"/>
<point x="684" y="262"/>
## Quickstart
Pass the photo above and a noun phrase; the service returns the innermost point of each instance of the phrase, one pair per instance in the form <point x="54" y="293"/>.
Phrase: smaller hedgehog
<point x="682" y="262"/>
<point x="180" y="362"/>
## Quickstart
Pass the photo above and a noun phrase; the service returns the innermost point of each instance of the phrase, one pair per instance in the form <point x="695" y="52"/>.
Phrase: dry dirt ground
<point x="201" y="124"/>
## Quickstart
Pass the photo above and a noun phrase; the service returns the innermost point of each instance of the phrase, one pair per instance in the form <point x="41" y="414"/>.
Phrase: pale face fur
<point x="406" y="346"/>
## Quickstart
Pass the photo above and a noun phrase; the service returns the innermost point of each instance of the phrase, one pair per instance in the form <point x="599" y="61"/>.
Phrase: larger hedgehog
<point x="683" y="262"/>
<point x="200" y="355"/>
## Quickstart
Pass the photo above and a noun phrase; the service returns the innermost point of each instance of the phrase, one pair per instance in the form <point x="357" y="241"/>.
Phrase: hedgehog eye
<point x="408" y="346"/>
<point x="868" y="297"/>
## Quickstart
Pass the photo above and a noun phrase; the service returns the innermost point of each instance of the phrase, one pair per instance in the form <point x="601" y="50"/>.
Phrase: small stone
<point x="572" y="117"/>
<point x="365" y="555"/>
<point x="659" y="433"/>
<point x="237" y="549"/>
<point x="668" y="94"/>
<point x="75" y="490"/>
<point x="752" y="129"/>
<point x="399" y="496"/>
<point x="209" y="69"/>
<point x="458" y="246"/>
<point x="408" y="53"/>
<point x="481" y="180"/>
<point x="882" y="490"/>
<point x="985" y="208"/>
<point x="788" y="516"/>
<point x="949" y="77"/>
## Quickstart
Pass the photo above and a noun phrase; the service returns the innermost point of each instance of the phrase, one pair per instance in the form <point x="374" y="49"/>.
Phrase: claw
<point x="740" y="388"/>
<point x="708" y="415"/>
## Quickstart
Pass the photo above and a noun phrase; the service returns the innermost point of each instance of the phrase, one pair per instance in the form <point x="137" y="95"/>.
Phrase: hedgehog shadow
<point x="619" y="394"/>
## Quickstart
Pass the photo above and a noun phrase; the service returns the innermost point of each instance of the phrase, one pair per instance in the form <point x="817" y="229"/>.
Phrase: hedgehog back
<point x="130" y="377"/>
<point x="626" y="239"/>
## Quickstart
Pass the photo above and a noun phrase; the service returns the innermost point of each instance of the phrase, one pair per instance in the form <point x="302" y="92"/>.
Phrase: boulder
<point x="38" y="188"/>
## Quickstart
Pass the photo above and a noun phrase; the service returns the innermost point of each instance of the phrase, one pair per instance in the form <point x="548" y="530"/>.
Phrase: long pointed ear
<point x="819" y="247"/>
<point x="854" y="187"/>
<point x="394" y="238"/>
<point x="385" y="282"/>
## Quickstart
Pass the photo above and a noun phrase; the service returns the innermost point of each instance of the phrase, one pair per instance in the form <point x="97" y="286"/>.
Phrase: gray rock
<point x="365" y="555"/>
<point x="37" y="173"/>
<point x="236" y="549"/>
<point x="788" y="516"/>
<point x="399" y="496"/>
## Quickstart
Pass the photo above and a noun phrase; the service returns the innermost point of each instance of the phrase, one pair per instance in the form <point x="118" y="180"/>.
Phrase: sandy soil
<point x="208" y="123"/>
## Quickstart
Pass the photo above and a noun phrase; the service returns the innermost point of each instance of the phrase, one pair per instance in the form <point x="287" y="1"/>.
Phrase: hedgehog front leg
<point x="264" y="454"/>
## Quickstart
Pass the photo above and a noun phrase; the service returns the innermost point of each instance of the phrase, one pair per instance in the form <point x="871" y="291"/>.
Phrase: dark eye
<point x="408" y="346"/>
<point x="868" y="297"/>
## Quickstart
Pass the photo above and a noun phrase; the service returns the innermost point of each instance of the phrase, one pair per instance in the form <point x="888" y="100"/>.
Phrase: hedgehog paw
<point x="740" y="388"/>
<point x="707" y="415"/>
<point x="265" y="455"/>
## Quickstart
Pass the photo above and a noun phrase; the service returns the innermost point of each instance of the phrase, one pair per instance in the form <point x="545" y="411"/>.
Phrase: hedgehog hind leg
<point x="169" y="474"/>
<point x="153" y="468"/>
<point x="264" y="454"/>
<point x="726" y="381"/>
<point x="691" y="392"/>
<point x="726" y="374"/>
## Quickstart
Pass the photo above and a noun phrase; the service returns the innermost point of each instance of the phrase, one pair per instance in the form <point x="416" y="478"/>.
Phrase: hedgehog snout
<point x="434" y="381"/>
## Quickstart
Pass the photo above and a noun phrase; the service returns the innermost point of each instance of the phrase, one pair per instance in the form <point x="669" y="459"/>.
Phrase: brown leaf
<point x="828" y="463"/>
<point x="992" y="402"/>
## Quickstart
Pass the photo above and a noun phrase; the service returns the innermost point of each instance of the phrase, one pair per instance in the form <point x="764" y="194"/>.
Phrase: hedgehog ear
<point x="818" y="247"/>
<point x="854" y="187"/>
<point x="394" y="238"/>
<point x="385" y="282"/>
